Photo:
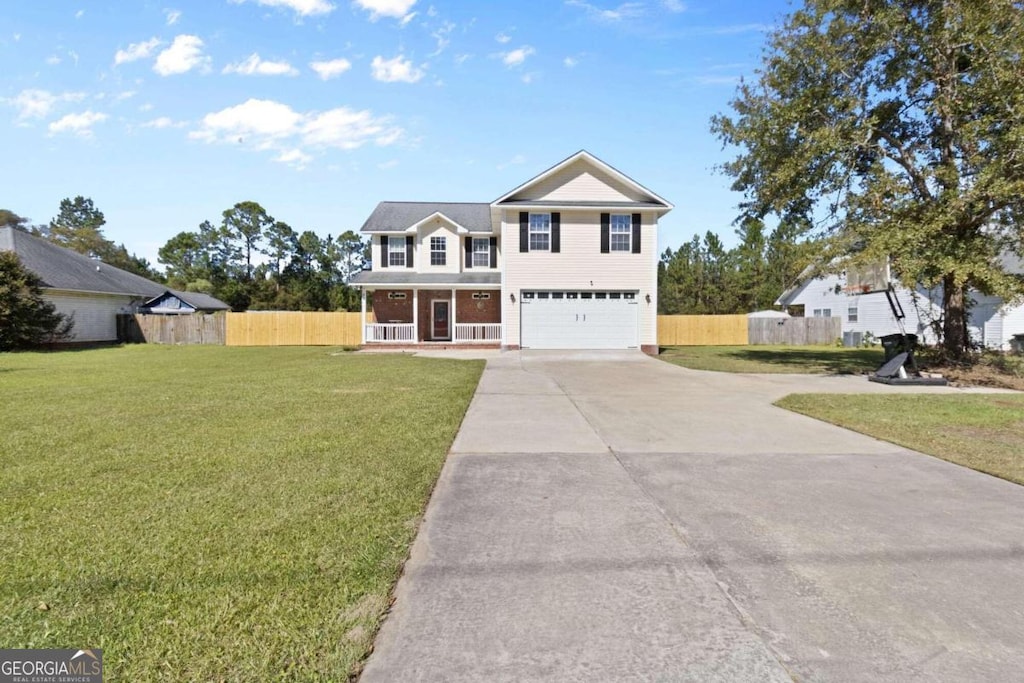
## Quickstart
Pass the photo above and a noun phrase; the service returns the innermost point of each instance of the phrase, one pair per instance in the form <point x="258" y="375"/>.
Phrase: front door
<point x="439" y="326"/>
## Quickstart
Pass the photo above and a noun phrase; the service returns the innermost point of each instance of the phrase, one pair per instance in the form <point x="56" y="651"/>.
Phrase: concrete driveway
<point x="607" y="516"/>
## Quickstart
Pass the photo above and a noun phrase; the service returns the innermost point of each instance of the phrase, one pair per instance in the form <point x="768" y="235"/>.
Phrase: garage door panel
<point x="578" y="323"/>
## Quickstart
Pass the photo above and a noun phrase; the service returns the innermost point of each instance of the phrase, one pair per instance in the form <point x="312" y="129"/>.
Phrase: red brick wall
<point x="470" y="310"/>
<point x="385" y="309"/>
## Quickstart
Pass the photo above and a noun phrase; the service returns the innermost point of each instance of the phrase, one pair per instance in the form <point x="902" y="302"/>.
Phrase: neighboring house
<point x="91" y="291"/>
<point x="991" y="323"/>
<point x="567" y="260"/>
<point x="173" y="302"/>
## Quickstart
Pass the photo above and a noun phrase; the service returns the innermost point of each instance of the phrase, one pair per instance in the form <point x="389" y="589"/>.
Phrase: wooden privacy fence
<point x="795" y="331"/>
<point x="293" y="328"/>
<point x="739" y="330"/>
<point x="702" y="330"/>
<point x="171" y="329"/>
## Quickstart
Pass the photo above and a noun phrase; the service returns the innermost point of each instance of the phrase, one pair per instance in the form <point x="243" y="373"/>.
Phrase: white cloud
<point x="395" y="70"/>
<point x="517" y="56"/>
<point x="528" y="78"/>
<point x="332" y="68"/>
<point x="272" y="126"/>
<point x="172" y="15"/>
<point x="136" y="51"/>
<point x="388" y="165"/>
<point x="36" y="104"/>
<point x="674" y="6"/>
<point x="53" y="60"/>
<point x="461" y="59"/>
<point x="254" y="66"/>
<point x="184" y="54"/>
<point x="162" y="122"/>
<point x="404" y="21"/>
<point x="503" y="38"/>
<point x="304" y="8"/>
<point x="79" y="14"/>
<point x="386" y="8"/>
<point x="148" y="106"/>
<point x="627" y="10"/>
<point x="570" y="62"/>
<point x="514" y="161"/>
<point x="77" y="124"/>
<point x="125" y="95"/>
<point x="441" y="36"/>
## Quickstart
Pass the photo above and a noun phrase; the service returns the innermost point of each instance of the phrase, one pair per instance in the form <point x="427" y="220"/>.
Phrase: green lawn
<point x="211" y="513"/>
<point x="775" y="359"/>
<point x="981" y="431"/>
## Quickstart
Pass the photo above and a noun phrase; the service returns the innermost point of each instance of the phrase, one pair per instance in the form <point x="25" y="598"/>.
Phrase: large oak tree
<point x="897" y="126"/>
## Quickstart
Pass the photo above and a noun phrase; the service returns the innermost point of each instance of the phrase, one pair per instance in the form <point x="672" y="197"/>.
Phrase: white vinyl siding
<point x="873" y="313"/>
<point x="581" y="182"/>
<point x="581" y="266"/>
<point x="95" y="315"/>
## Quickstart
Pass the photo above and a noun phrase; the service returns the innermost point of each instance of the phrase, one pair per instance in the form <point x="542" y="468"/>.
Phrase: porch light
<point x="512" y="297"/>
<point x="648" y="298"/>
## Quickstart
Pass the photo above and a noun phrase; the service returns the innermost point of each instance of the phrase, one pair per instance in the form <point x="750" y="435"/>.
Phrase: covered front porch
<point x="431" y="316"/>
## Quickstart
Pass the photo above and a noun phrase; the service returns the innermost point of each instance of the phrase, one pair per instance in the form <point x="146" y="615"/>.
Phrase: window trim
<point x="438" y="253"/>
<point x="625" y="229"/>
<point x="544" y="231"/>
<point x="486" y="252"/>
<point x="853" y="313"/>
<point x="396" y="247"/>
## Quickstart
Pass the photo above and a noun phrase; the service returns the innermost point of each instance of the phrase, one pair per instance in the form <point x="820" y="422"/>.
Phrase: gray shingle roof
<point x="61" y="268"/>
<point x="396" y="276"/>
<point x="585" y="204"/>
<point x="398" y="216"/>
<point x="200" y="301"/>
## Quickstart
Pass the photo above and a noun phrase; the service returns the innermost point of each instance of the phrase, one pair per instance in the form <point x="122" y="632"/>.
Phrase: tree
<point x="13" y="220"/>
<point x="185" y="258"/>
<point x="247" y="222"/>
<point x="26" y="318"/>
<point x="897" y="126"/>
<point x="79" y="227"/>
<point x="350" y="250"/>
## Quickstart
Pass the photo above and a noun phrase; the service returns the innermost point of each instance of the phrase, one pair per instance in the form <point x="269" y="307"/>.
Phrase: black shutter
<point x="524" y="231"/>
<point x="383" y="251"/>
<point x="606" y="230"/>
<point x="556" y="233"/>
<point x="636" y="233"/>
<point x="469" y="252"/>
<point x="408" y="250"/>
<point x="494" y="252"/>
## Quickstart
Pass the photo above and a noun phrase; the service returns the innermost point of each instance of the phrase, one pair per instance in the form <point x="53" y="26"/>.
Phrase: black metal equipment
<point x="899" y="353"/>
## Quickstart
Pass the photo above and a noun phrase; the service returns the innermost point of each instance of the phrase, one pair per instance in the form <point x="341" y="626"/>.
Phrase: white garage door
<point x="578" y="320"/>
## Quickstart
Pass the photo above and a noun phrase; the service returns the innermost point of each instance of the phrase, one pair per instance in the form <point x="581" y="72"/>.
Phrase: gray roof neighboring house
<point x="67" y="270"/>
<point x="61" y="268"/>
<point x="398" y="277"/>
<point x="197" y="300"/>
<point x="399" y="216"/>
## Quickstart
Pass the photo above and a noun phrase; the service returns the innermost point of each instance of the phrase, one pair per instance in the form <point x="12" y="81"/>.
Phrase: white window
<point x="438" y="251"/>
<point x="822" y="313"/>
<point x="481" y="252"/>
<point x="621" y="232"/>
<point x="396" y="252"/>
<point x="851" y="313"/>
<point x="540" y="232"/>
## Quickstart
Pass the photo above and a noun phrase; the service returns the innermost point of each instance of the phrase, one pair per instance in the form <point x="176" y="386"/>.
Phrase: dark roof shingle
<point x="398" y="216"/>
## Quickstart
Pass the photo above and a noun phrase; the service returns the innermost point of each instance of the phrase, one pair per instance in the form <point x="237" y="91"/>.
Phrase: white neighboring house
<point x="567" y="260"/>
<point x="991" y="324"/>
<point x="90" y="291"/>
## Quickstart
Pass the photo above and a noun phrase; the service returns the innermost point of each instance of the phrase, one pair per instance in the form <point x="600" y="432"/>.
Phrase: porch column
<point x="415" y="316"/>
<point x="453" y="316"/>
<point x="362" y="314"/>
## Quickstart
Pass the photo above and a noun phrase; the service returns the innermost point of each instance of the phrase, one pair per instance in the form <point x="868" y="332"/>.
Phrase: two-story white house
<point x="567" y="260"/>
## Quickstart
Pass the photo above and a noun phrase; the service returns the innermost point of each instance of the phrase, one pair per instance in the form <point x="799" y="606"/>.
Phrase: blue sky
<point x="166" y="113"/>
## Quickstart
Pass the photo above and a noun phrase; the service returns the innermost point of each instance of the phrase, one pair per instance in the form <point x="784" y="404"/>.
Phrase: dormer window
<point x="438" y="251"/>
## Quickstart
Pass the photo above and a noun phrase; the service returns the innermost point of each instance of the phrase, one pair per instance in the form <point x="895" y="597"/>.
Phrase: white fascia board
<point x="594" y="161"/>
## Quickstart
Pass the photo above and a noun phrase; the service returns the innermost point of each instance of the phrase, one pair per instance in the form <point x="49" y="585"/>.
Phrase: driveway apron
<point x="607" y="516"/>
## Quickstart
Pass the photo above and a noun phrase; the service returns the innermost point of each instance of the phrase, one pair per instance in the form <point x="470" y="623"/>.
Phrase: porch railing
<point x="478" y="332"/>
<point x="391" y="332"/>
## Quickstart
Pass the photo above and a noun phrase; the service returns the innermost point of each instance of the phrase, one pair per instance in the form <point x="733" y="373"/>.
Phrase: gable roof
<point x="197" y="300"/>
<point x="588" y="158"/>
<point x="61" y="268"/>
<point x="400" y="216"/>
